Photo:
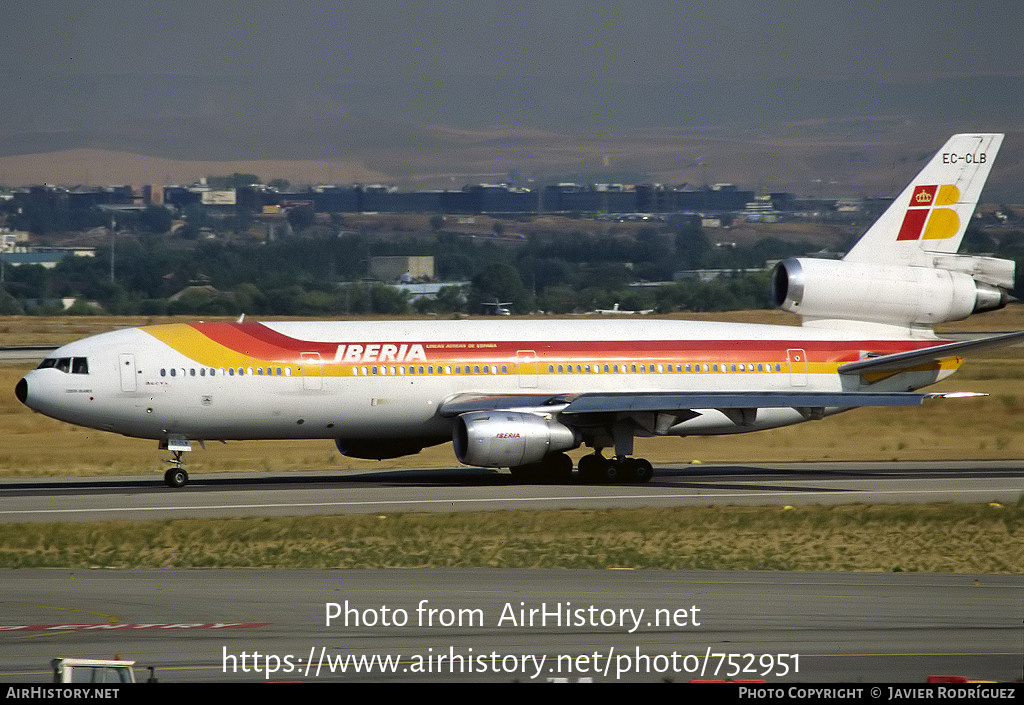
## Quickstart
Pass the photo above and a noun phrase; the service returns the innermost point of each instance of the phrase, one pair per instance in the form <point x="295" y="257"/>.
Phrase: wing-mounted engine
<point x="504" y="439"/>
<point x="954" y="287"/>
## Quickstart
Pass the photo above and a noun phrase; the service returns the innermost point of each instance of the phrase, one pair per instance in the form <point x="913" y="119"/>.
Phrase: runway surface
<point x="515" y="625"/>
<point x="467" y="489"/>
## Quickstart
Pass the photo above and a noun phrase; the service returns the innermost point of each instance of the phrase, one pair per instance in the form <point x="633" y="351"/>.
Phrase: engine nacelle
<point x="508" y="439"/>
<point x="900" y="295"/>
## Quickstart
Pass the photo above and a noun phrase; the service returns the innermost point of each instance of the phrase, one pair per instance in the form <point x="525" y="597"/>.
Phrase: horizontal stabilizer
<point x="907" y="360"/>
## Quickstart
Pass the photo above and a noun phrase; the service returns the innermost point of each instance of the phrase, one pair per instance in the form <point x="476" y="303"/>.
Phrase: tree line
<point x="323" y="272"/>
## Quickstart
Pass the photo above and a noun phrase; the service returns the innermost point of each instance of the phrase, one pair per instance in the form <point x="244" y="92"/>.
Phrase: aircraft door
<point x="797" y="367"/>
<point x="126" y="365"/>
<point x="312" y="372"/>
<point x="527" y="360"/>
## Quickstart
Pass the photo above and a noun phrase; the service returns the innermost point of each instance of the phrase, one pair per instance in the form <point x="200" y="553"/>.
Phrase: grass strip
<point x="947" y="538"/>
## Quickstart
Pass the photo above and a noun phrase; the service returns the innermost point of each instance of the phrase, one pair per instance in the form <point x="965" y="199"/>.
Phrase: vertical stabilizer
<point x="931" y="214"/>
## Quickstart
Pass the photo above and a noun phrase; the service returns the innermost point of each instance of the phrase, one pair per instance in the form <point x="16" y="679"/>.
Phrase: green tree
<point x="156" y="219"/>
<point x="301" y="217"/>
<point x="500" y="282"/>
<point x="9" y="305"/>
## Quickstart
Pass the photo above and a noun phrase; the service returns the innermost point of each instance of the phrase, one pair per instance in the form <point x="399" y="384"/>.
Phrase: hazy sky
<point x="382" y="81"/>
<point x="585" y="38"/>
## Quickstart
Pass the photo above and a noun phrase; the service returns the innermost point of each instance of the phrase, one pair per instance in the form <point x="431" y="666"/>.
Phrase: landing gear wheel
<point x="557" y="468"/>
<point x="616" y="470"/>
<point x="591" y="468"/>
<point x="642" y="470"/>
<point x="176" y="477"/>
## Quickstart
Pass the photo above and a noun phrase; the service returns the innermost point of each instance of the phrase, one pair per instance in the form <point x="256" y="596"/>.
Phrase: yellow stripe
<point x="196" y="346"/>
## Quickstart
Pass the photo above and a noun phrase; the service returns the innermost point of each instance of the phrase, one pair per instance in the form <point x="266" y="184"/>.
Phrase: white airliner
<point x="518" y="394"/>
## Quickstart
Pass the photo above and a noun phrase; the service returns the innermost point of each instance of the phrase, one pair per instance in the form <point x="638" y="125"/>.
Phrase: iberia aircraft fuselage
<point x="518" y="394"/>
<point x="383" y="386"/>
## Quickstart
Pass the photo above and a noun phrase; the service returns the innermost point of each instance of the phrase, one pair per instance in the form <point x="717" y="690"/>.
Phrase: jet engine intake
<point x="505" y="439"/>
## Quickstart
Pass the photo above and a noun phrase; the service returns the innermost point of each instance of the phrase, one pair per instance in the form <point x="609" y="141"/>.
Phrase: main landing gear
<point x="594" y="469"/>
<point x="556" y="469"/>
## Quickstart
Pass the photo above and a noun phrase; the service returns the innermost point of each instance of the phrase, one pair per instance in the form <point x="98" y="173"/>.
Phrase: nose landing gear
<point x="176" y="476"/>
<point x="178" y="445"/>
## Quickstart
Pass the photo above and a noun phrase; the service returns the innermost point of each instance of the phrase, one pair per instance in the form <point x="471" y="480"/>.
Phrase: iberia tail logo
<point x="926" y="219"/>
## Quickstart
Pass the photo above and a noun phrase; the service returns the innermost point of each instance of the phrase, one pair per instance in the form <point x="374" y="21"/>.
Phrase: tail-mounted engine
<point x="508" y="439"/>
<point x="954" y="288"/>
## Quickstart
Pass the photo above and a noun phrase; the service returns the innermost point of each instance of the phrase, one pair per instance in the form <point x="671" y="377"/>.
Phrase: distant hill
<point x="105" y="167"/>
<point x="830" y="168"/>
<point x="846" y="137"/>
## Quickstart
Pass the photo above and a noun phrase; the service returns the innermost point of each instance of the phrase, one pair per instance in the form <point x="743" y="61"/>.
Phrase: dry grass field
<point x="890" y="538"/>
<point x="989" y="427"/>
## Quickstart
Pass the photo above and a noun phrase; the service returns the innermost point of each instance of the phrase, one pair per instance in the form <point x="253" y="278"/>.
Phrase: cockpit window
<point x="73" y="365"/>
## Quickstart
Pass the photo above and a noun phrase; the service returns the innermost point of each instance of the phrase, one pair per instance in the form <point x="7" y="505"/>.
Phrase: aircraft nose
<point x="21" y="390"/>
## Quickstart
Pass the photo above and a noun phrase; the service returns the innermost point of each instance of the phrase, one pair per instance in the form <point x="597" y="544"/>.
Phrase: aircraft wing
<point x="672" y="401"/>
<point x="906" y="360"/>
<point x="626" y="402"/>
